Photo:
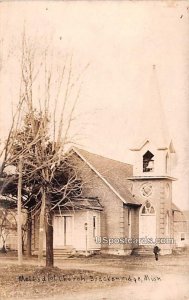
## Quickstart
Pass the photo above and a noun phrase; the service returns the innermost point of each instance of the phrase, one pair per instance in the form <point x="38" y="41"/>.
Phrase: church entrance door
<point x="147" y="224"/>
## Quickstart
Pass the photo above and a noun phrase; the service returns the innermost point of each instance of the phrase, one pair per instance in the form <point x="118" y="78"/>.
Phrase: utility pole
<point x="19" y="213"/>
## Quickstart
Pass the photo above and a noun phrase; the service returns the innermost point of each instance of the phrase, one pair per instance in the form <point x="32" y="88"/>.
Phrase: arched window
<point x="148" y="209"/>
<point x="148" y="162"/>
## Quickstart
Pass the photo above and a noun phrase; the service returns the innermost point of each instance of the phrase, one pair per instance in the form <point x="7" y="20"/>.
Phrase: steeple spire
<point x="151" y="119"/>
<point x="153" y="148"/>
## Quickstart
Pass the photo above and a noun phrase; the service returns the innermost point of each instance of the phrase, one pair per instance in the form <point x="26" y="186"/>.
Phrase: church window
<point x="148" y="205"/>
<point x="148" y="162"/>
<point x="148" y="209"/>
<point x="146" y="189"/>
<point x="167" y="163"/>
<point x="167" y="190"/>
<point x="94" y="226"/>
<point x="129" y="222"/>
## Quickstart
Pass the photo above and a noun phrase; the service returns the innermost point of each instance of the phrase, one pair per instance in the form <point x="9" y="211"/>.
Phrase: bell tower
<point x="152" y="180"/>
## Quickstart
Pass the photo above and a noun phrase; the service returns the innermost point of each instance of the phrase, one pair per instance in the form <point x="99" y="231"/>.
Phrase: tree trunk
<point x="49" y="237"/>
<point x="29" y="234"/>
<point x="22" y="244"/>
<point x="19" y="222"/>
<point x="41" y="227"/>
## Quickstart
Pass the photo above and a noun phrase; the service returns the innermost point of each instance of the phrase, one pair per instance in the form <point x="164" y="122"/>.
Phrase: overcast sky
<point x="120" y="40"/>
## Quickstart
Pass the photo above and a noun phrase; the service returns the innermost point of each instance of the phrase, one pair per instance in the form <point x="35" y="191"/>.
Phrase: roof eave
<point x="151" y="177"/>
<point x="132" y="204"/>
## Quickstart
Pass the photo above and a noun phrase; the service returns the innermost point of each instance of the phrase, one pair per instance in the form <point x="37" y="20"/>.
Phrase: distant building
<point x="181" y="227"/>
<point x="8" y="223"/>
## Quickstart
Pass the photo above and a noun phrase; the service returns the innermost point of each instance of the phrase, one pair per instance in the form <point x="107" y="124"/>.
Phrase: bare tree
<point x="41" y="135"/>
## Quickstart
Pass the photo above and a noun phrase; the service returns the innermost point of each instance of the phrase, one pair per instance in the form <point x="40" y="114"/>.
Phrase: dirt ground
<point x="97" y="278"/>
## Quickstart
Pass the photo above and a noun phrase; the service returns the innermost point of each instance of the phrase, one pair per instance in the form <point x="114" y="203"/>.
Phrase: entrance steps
<point x="63" y="252"/>
<point x="143" y="250"/>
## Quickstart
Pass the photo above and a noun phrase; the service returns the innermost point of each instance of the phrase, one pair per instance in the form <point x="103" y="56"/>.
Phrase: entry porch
<point x="74" y="228"/>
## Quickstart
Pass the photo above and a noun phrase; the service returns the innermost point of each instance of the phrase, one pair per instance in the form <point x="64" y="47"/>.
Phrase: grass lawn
<point x="76" y="275"/>
<point x="27" y="281"/>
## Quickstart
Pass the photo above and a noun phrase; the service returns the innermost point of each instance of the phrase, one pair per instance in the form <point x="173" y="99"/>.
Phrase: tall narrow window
<point x="94" y="226"/>
<point x="129" y="222"/>
<point x="148" y="162"/>
<point x="167" y="163"/>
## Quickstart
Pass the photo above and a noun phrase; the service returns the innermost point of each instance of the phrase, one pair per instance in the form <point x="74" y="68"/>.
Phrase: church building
<point x="124" y="208"/>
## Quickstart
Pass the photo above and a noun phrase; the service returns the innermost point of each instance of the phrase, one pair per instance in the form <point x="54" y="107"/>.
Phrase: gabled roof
<point x="84" y="203"/>
<point x="138" y="147"/>
<point x="113" y="173"/>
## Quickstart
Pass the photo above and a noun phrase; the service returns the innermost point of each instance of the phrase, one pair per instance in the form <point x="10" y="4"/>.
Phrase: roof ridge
<point x="118" y="161"/>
